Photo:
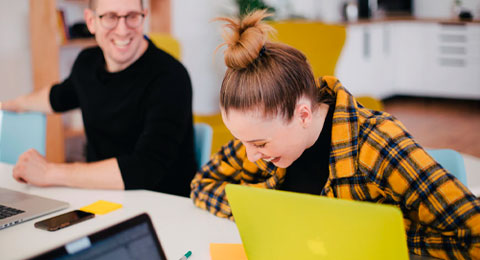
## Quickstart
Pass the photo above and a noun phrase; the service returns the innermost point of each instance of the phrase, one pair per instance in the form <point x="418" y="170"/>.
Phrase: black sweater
<point x="142" y="116"/>
<point x="309" y="173"/>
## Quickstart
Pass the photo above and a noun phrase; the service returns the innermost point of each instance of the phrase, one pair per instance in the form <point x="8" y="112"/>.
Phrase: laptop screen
<point x="134" y="238"/>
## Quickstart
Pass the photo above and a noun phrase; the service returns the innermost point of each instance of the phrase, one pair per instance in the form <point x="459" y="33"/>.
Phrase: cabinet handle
<point x="366" y="43"/>
<point x="452" y="62"/>
<point x="452" y="38"/>
<point x="386" y="40"/>
<point x="453" y="50"/>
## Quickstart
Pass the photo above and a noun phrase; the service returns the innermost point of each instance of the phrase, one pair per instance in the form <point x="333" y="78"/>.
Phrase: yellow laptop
<point x="286" y="225"/>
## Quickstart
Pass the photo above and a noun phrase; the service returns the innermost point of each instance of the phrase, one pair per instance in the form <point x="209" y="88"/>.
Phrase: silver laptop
<point x="17" y="207"/>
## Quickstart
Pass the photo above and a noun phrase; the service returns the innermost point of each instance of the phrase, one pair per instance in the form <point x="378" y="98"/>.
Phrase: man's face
<point x="122" y="45"/>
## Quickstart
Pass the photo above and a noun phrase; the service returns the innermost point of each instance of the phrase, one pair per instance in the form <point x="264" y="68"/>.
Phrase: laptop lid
<point x="134" y="238"/>
<point x="17" y="207"/>
<point x="285" y="225"/>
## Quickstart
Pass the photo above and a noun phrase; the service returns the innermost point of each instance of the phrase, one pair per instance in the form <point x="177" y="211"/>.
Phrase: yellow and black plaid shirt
<point x="373" y="158"/>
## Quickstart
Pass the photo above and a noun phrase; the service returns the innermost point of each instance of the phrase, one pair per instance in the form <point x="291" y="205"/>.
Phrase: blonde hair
<point x="263" y="74"/>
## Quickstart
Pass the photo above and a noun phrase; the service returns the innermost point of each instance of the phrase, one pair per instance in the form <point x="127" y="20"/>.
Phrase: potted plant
<point x="246" y="6"/>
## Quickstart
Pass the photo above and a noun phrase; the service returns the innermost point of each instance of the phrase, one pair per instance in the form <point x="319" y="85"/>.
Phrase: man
<point x="136" y="105"/>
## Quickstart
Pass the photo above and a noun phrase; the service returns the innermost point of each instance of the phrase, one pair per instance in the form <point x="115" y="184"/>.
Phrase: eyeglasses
<point x="132" y="19"/>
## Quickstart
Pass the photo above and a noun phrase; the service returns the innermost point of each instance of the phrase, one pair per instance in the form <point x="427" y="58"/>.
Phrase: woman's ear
<point x="303" y="113"/>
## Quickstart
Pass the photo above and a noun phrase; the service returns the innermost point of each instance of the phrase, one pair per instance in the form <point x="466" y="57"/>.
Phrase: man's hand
<point x="32" y="168"/>
<point x="38" y="100"/>
<point x="11" y="105"/>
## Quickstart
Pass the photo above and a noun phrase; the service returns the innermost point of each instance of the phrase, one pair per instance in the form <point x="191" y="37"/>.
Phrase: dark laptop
<point x="134" y="238"/>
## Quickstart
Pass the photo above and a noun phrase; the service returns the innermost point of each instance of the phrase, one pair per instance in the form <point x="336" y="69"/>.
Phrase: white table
<point x="179" y="224"/>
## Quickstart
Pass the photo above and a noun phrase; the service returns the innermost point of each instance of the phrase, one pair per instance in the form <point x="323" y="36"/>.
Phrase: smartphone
<point x="64" y="220"/>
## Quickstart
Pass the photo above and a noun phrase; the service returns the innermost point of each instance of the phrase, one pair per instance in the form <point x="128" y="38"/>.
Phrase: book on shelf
<point x="63" y="32"/>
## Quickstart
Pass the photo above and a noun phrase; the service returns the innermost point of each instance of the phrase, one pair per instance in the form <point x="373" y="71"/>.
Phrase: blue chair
<point x="203" y="143"/>
<point x="20" y="132"/>
<point x="452" y="161"/>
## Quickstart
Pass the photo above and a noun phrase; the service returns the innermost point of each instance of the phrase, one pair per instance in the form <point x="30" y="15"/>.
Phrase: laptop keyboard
<point x="6" y="212"/>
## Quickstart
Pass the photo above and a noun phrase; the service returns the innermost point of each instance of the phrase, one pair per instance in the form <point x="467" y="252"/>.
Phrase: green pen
<point x="186" y="256"/>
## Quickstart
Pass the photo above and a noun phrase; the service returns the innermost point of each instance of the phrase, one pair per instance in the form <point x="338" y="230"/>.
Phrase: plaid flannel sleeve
<point x="442" y="216"/>
<point x="229" y="165"/>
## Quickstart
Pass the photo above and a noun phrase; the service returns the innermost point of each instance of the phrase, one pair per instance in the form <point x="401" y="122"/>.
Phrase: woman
<point x="293" y="134"/>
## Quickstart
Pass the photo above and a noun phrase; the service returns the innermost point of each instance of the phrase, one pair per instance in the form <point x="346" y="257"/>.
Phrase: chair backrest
<point x="452" y="161"/>
<point x="20" y="132"/>
<point x="203" y="143"/>
<point x="221" y="134"/>
<point x="321" y="43"/>
<point x="167" y="43"/>
<point x="370" y="102"/>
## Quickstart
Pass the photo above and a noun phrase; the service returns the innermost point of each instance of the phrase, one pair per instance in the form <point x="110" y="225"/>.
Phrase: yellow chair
<point x="167" y="43"/>
<point x="321" y="43"/>
<point x="221" y="134"/>
<point x="370" y="103"/>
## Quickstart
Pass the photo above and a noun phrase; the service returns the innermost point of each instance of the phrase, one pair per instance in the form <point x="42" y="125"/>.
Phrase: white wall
<point x="15" y="57"/>
<point x="199" y="36"/>
<point x="325" y="10"/>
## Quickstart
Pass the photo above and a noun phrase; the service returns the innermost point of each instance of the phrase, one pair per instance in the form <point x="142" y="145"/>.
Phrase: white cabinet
<point x="412" y="58"/>
<point x="453" y="60"/>
<point x="409" y="63"/>
<point x="364" y="66"/>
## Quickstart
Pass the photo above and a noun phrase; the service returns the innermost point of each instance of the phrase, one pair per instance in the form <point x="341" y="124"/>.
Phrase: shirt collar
<point x="345" y="129"/>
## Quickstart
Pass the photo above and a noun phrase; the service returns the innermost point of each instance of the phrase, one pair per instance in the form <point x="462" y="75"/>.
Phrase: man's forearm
<point x="38" y="101"/>
<point x="97" y="175"/>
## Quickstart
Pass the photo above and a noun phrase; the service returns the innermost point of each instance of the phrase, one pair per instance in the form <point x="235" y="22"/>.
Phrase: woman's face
<point x="271" y="139"/>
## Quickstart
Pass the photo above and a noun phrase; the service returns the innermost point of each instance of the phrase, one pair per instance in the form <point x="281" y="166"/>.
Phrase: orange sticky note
<point x="101" y="207"/>
<point x="227" y="251"/>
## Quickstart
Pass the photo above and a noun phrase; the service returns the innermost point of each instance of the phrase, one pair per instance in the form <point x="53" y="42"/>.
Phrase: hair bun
<point x="244" y="38"/>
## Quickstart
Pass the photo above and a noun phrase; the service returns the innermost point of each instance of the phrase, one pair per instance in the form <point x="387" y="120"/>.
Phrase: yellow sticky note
<point x="101" y="207"/>
<point x="227" y="251"/>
